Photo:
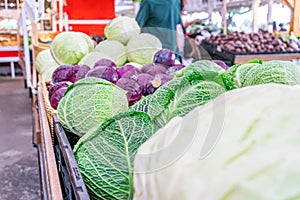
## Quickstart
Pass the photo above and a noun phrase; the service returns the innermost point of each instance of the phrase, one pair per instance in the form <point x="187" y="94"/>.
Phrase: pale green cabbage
<point x="71" y="47"/>
<point x="113" y="49"/>
<point x="141" y="48"/>
<point x="122" y="28"/>
<point x="255" y="73"/>
<point x="242" y="145"/>
<point x="91" y="58"/>
<point x="105" y="156"/>
<point x="44" y="61"/>
<point x="46" y="76"/>
<point x="89" y="102"/>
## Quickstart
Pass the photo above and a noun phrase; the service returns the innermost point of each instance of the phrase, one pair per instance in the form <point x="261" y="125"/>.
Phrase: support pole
<point x="224" y="11"/>
<point x="295" y="18"/>
<point x="255" y="6"/>
<point x="26" y="49"/>
<point x="269" y="16"/>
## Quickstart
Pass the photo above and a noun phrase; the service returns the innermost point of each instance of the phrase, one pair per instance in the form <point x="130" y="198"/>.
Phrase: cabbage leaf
<point x="141" y="48"/>
<point x="105" y="156"/>
<point x="179" y="96"/>
<point x="255" y="73"/>
<point x="89" y="102"/>
<point x="70" y="47"/>
<point x="254" y="154"/>
<point x="114" y="50"/>
<point x="122" y="28"/>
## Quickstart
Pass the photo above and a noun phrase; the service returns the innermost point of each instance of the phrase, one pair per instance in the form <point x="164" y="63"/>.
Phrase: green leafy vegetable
<point x="105" y="156"/>
<point x="44" y="61"/>
<point x="70" y="47"/>
<point x="201" y="66"/>
<point x="91" y="58"/>
<point x="89" y="102"/>
<point x="122" y="29"/>
<point x="253" y="155"/>
<point x="256" y="72"/>
<point x="114" y="49"/>
<point x="179" y="96"/>
<point x="141" y="48"/>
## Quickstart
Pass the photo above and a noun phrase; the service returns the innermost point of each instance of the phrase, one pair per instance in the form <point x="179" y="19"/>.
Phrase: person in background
<point x="160" y="18"/>
<point x="281" y="28"/>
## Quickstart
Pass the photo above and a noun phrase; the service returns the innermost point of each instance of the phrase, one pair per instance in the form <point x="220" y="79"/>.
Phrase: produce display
<point x="261" y="42"/>
<point x="193" y="86"/>
<point x="128" y="96"/>
<point x="253" y="155"/>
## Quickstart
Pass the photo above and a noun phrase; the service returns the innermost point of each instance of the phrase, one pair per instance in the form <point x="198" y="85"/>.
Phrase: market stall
<point x="124" y="119"/>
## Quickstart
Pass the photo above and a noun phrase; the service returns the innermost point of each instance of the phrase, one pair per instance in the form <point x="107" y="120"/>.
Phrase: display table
<point x="60" y="177"/>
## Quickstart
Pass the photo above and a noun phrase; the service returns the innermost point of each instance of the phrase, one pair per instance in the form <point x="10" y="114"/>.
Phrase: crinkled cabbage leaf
<point x="105" y="156"/>
<point x="89" y="102"/>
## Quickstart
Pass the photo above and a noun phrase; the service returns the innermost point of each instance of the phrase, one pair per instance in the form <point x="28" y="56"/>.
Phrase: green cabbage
<point x="179" y="96"/>
<point x="245" y="144"/>
<point x="46" y="76"/>
<point x="114" y="49"/>
<point x="89" y="102"/>
<point x="70" y="47"/>
<point x="91" y="58"/>
<point x="141" y="48"/>
<point x="255" y="73"/>
<point x="122" y="29"/>
<point x="45" y="61"/>
<point x="105" y="156"/>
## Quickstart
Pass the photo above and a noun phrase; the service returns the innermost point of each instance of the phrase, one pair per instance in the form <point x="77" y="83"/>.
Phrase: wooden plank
<point x="53" y="187"/>
<point x="266" y="57"/>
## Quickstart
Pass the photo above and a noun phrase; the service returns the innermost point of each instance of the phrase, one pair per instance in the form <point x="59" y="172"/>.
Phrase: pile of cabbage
<point x="124" y="44"/>
<point x="67" y="48"/>
<point x="241" y="122"/>
<point x="191" y="106"/>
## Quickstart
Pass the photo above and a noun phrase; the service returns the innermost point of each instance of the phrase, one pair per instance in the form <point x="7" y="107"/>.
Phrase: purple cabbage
<point x="134" y="92"/>
<point x="165" y="57"/>
<point x="61" y="74"/>
<point x="106" y="63"/>
<point x="56" y="86"/>
<point x="105" y="72"/>
<point x="153" y="69"/>
<point x="221" y="64"/>
<point x="128" y="71"/>
<point x="56" y="96"/>
<point x="83" y="70"/>
<point x="174" y="68"/>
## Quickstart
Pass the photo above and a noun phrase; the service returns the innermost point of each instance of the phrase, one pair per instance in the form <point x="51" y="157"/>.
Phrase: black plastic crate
<point x="73" y="187"/>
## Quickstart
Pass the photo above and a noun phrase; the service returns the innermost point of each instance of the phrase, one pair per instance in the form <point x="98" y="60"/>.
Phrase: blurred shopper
<point x="281" y="28"/>
<point x="160" y="18"/>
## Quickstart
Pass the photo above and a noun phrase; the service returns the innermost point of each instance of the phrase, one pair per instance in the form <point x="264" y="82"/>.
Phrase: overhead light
<point x="48" y="0"/>
<point x="48" y="10"/>
<point x="11" y="4"/>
